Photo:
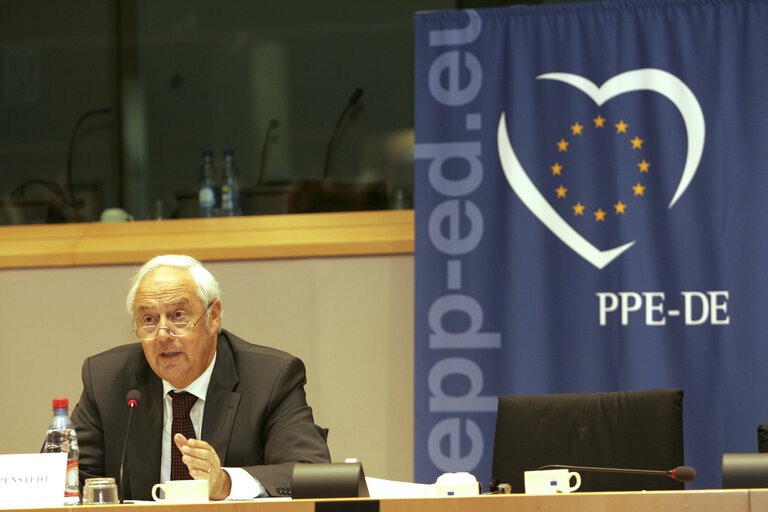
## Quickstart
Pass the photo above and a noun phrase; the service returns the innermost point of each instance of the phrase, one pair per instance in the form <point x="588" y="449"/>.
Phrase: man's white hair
<point x="207" y="287"/>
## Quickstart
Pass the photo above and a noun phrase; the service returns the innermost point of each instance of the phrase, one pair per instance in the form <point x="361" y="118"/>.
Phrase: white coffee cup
<point x="182" y="491"/>
<point x="551" y="481"/>
<point x="115" y="215"/>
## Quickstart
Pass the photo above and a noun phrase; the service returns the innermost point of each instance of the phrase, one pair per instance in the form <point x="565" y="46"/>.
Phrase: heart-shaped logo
<point x="647" y="79"/>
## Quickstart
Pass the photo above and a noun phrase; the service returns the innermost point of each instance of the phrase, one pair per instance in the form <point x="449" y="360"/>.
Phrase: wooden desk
<point x="734" y="500"/>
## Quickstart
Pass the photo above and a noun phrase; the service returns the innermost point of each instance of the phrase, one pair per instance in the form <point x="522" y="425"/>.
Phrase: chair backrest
<point x="762" y="438"/>
<point x="745" y="470"/>
<point x="624" y="429"/>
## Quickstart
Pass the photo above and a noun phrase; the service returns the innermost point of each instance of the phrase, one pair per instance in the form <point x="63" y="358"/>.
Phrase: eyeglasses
<point x="175" y="329"/>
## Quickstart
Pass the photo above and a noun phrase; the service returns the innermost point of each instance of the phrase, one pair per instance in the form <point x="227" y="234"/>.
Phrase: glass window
<point x="114" y="103"/>
<point x="56" y="67"/>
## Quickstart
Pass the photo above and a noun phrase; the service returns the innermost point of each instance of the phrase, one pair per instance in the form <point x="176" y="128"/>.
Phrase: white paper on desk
<point x="379" y="488"/>
<point x="269" y="498"/>
<point x="32" y="480"/>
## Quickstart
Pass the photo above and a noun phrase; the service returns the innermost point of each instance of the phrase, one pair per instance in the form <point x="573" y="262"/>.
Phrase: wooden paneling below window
<point x="217" y="239"/>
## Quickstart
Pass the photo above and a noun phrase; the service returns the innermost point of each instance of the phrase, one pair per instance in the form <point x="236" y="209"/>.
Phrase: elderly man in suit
<point x="213" y="406"/>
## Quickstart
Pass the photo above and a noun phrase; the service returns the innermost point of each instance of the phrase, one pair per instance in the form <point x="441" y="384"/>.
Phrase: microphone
<point x="680" y="473"/>
<point x="132" y="399"/>
<point x="353" y="100"/>
<point x="273" y="123"/>
<point x="70" y="151"/>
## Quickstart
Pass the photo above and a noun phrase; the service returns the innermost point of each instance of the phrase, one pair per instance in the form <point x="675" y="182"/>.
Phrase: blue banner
<point x="591" y="186"/>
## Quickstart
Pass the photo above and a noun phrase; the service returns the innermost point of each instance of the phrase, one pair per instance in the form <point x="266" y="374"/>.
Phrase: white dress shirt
<point x="244" y="486"/>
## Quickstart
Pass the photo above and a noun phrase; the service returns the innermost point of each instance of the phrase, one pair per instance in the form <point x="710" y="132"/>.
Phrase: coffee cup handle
<point x="577" y="476"/>
<point x="162" y="486"/>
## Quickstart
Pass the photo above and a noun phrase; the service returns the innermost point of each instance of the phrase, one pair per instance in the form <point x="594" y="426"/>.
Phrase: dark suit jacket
<point x="256" y="416"/>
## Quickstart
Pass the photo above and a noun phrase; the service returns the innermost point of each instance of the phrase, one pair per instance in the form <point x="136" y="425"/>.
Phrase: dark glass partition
<point x="57" y="65"/>
<point x="111" y="104"/>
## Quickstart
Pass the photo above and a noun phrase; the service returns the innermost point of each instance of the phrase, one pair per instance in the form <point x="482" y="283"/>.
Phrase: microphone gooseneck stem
<point x="680" y="473"/>
<point x="336" y="129"/>
<point x="273" y="123"/>
<point x="121" y="490"/>
<point x="609" y="470"/>
<point x="73" y="135"/>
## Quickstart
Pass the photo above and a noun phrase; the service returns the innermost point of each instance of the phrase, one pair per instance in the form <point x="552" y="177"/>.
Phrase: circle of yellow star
<point x="621" y="127"/>
<point x="562" y="145"/>
<point x="556" y="169"/>
<point x="578" y="209"/>
<point x="620" y="208"/>
<point x="576" y="128"/>
<point x="637" y="143"/>
<point x="639" y="189"/>
<point x="561" y="190"/>
<point x="599" y="215"/>
<point x="644" y="166"/>
<point x="599" y="121"/>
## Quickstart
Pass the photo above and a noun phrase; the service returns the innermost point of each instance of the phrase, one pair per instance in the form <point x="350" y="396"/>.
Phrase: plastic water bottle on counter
<point x="230" y="186"/>
<point x="62" y="437"/>
<point x="206" y="191"/>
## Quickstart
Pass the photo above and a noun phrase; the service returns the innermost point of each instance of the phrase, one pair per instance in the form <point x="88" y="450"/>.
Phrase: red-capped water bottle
<point x="61" y="437"/>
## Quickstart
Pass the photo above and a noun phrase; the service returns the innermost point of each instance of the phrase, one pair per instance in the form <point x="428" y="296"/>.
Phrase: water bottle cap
<point x="61" y="403"/>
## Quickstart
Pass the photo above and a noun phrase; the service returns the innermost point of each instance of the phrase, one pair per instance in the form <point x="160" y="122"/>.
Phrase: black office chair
<point x="624" y="429"/>
<point x="762" y="438"/>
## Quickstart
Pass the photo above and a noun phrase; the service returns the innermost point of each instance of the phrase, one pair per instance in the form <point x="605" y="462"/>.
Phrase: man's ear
<point x="215" y="318"/>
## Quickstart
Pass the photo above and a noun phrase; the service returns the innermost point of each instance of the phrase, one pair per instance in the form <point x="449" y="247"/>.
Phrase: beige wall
<point x="350" y="319"/>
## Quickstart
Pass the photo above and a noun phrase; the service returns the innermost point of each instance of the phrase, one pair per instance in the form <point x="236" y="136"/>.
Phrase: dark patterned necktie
<point x="182" y="423"/>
